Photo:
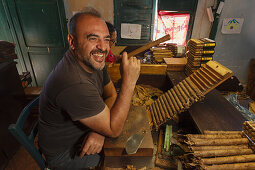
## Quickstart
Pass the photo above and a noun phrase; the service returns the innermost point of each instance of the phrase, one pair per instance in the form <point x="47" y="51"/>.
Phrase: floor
<point x="22" y="161"/>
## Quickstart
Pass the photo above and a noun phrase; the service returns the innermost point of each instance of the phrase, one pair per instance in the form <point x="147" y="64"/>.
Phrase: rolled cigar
<point x="164" y="107"/>
<point x="186" y="98"/>
<point x="228" y="159"/>
<point x="215" y="153"/>
<point x="212" y="72"/>
<point x="197" y="83"/>
<point x="206" y="148"/>
<point x="163" y="113"/>
<point x="234" y="166"/>
<point x="194" y="87"/>
<point x="204" y="78"/>
<point x="177" y="99"/>
<point x="191" y="91"/>
<point x="170" y="103"/>
<point x="168" y="106"/>
<point x="213" y="136"/>
<point x="153" y="117"/>
<point x="179" y="96"/>
<point x="158" y="111"/>
<point x="201" y="81"/>
<point x="187" y="92"/>
<point x="222" y="132"/>
<point x="173" y="101"/>
<point x="155" y="113"/>
<point x="203" y="71"/>
<point x="217" y="142"/>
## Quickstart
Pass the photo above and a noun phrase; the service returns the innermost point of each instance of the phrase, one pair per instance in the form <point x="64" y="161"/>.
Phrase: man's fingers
<point x="84" y="150"/>
<point x="124" y="56"/>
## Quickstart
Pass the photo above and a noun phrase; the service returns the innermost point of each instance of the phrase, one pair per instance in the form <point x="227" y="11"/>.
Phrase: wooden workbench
<point x="216" y="113"/>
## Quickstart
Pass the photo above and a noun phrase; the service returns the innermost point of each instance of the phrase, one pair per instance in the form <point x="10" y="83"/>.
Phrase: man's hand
<point x="130" y="69"/>
<point x="92" y="144"/>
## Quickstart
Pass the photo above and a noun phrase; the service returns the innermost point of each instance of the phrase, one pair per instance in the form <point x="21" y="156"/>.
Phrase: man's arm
<point x="94" y="142"/>
<point x="109" y="94"/>
<point x="110" y="122"/>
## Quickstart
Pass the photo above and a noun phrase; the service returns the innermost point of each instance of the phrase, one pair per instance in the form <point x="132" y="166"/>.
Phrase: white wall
<point x="235" y="50"/>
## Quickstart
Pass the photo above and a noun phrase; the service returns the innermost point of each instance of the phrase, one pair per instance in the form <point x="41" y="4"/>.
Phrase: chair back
<point x="28" y="141"/>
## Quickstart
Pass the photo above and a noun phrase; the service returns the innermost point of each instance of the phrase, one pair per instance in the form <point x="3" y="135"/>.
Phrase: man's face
<point x="113" y="38"/>
<point x="91" y="43"/>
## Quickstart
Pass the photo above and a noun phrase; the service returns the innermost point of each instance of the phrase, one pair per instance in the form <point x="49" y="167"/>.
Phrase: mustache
<point x="99" y="51"/>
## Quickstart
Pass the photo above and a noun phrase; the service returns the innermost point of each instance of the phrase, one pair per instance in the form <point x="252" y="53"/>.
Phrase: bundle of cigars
<point x="219" y="150"/>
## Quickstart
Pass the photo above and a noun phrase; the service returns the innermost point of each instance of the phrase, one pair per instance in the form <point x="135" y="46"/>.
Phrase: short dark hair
<point x="86" y="11"/>
<point x="111" y="28"/>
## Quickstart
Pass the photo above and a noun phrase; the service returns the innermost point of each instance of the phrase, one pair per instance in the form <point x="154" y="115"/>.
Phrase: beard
<point x="88" y="60"/>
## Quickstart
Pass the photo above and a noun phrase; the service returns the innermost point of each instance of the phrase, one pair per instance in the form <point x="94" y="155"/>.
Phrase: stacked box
<point x="173" y="48"/>
<point x="159" y="53"/>
<point x="199" y="52"/>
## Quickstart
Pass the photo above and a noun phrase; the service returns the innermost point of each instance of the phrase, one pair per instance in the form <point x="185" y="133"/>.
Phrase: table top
<point x="216" y="113"/>
<point x="137" y="121"/>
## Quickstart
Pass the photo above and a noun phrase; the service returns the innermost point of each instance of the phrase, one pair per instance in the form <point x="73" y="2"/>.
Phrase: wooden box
<point x="175" y="64"/>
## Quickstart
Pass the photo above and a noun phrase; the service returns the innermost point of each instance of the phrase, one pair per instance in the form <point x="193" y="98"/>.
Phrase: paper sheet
<point x="232" y="25"/>
<point x="131" y="31"/>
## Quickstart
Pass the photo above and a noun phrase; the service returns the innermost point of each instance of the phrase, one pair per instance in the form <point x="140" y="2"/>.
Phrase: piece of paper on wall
<point x="232" y="25"/>
<point x="131" y="31"/>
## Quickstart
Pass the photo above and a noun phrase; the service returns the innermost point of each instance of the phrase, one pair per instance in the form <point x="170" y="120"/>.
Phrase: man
<point x="78" y="103"/>
<point x="113" y="36"/>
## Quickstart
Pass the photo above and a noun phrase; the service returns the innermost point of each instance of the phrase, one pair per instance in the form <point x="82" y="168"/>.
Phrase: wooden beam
<point x="149" y="45"/>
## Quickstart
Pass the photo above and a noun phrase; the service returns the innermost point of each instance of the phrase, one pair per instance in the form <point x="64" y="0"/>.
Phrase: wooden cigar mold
<point x="190" y="90"/>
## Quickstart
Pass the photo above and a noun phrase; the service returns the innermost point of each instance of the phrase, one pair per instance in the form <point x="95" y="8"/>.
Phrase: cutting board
<point x="136" y="121"/>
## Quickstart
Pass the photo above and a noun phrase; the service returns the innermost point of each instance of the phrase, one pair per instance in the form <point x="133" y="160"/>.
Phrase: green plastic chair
<point x="28" y="141"/>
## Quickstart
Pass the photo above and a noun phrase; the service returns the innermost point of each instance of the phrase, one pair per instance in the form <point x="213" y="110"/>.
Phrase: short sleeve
<point x="106" y="77"/>
<point x="80" y="101"/>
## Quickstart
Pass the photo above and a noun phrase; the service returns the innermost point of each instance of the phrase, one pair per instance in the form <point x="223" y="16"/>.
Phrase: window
<point x="143" y="13"/>
<point x="175" y="24"/>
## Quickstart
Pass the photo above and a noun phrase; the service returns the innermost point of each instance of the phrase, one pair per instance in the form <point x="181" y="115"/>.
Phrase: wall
<point x="235" y="50"/>
<point x="202" y="25"/>
<point x="105" y="7"/>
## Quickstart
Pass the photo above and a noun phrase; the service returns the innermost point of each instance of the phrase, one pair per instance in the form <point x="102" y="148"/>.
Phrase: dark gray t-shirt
<point x="69" y="94"/>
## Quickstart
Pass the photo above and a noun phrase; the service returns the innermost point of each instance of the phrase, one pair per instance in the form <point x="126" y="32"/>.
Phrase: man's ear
<point x="71" y="41"/>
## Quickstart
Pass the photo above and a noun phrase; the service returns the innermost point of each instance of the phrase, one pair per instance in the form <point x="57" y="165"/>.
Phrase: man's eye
<point x="92" y="39"/>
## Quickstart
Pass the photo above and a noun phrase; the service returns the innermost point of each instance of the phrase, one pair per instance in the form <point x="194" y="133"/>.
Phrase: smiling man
<point x="78" y="104"/>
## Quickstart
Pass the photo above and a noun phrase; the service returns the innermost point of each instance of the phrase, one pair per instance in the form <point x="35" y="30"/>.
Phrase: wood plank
<point x="147" y="69"/>
<point x="175" y="64"/>
<point x="136" y="121"/>
<point x="222" y="70"/>
<point x="149" y="45"/>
